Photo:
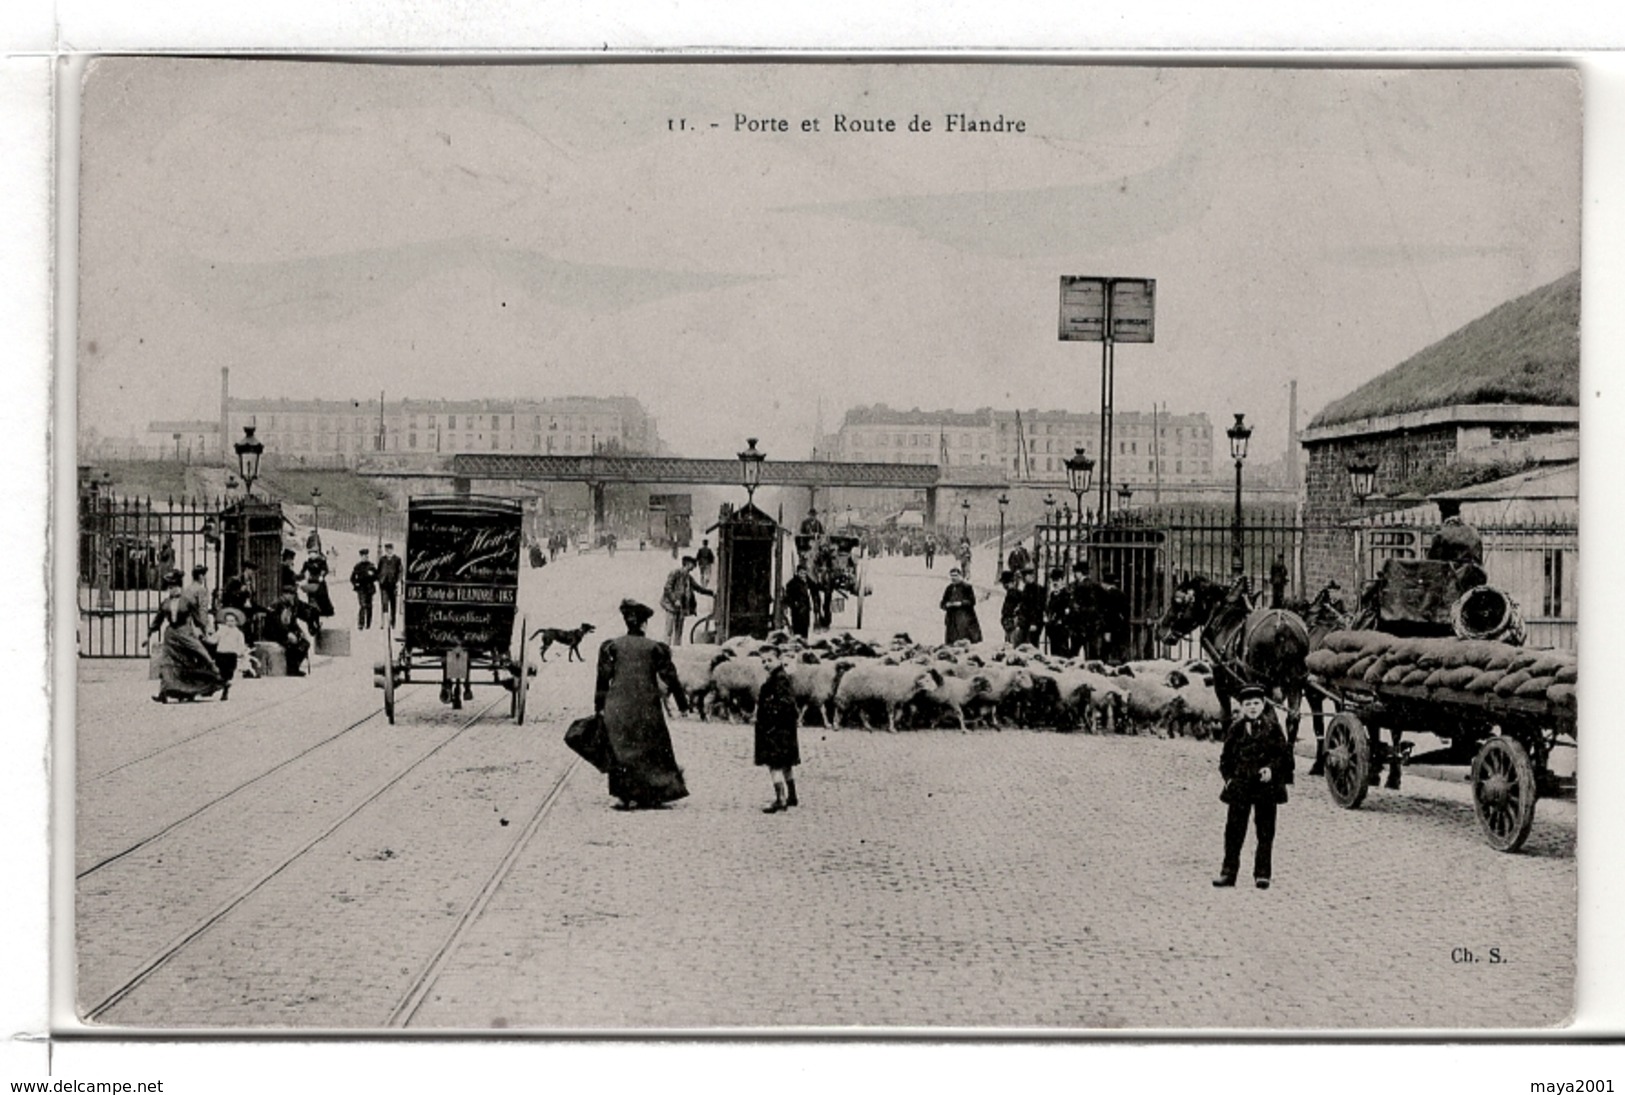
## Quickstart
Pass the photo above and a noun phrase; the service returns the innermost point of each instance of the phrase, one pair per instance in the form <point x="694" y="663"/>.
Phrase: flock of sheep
<point x="849" y="679"/>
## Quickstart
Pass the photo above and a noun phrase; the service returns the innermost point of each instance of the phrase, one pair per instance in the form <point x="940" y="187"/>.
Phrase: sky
<point x="332" y="230"/>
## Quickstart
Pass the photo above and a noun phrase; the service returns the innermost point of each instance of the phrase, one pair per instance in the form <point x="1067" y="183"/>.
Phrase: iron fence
<point x="126" y="545"/>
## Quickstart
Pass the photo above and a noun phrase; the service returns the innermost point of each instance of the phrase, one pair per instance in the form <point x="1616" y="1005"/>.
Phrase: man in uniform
<point x="364" y="580"/>
<point x="1082" y="612"/>
<point x="1056" y="612"/>
<point x="1036" y="609"/>
<point x="811" y="525"/>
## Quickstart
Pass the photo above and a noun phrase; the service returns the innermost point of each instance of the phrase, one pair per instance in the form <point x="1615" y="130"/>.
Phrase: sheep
<point x="876" y="682"/>
<point x="1043" y="704"/>
<point x="1149" y="700"/>
<point x="953" y="693"/>
<point x="1008" y="686"/>
<point x="813" y="683"/>
<point x="693" y="664"/>
<point x="1201" y="710"/>
<point x="1107" y="702"/>
<point x="738" y="681"/>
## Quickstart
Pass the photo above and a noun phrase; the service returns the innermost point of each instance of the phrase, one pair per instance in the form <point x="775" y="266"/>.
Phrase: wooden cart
<point x="1507" y="740"/>
<point x="459" y="597"/>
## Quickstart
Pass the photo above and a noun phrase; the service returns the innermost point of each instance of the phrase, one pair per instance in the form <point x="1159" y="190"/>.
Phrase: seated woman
<point x="187" y="669"/>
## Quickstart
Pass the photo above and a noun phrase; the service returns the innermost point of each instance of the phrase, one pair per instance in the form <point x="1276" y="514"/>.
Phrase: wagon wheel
<point x="521" y="677"/>
<point x="1348" y="759"/>
<point x="389" y="677"/>
<point x="1504" y="792"/>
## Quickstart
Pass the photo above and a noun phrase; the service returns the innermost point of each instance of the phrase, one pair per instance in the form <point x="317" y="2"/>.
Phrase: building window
<point x="411" y="440"/>
<point x="451" y="422"/>
<point x="1551" y="598"/>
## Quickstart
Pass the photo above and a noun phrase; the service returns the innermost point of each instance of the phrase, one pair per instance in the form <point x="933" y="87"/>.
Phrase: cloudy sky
<point x="465" y="231"/>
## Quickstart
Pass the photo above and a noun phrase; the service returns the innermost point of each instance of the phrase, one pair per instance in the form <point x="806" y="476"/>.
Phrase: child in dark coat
<point x="1257" y="766"/>
<point x="776" y="722"/>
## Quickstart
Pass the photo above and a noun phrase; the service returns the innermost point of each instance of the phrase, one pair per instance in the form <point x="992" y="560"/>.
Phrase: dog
<point x="571" y="639"/>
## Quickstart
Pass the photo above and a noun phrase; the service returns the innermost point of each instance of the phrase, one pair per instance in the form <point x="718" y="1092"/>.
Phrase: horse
<point x="1266" y="647"/>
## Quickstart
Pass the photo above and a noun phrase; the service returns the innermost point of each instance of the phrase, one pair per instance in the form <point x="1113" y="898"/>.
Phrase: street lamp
<point x="849" y="517"/>
<point x="316" y="513"/>
<point x="1124" y="493"/>
<point x="1238" y="435"/>
<point x="750" y="468"/>
<point x="249" y="450"/>
<point x="1362" y="477"/>
<point x="1004" y="500"/>
<point x="964" y="525"/>
<point x="1080" y="470"/>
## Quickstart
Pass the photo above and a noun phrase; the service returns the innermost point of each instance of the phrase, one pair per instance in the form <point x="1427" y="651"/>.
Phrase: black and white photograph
<point x="651" y="546"/>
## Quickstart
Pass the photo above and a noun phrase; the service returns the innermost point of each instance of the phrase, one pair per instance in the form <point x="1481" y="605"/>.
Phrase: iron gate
<point x="126" y="545"/>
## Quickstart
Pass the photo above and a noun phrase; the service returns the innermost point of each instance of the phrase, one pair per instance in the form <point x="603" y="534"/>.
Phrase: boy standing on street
<point x="1257" y="766"/>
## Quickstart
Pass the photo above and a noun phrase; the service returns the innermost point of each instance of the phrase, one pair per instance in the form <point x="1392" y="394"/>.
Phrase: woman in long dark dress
<point x="959" y="604"/>
<point x="777" y="748"/>
<point x="643" y="769"/>
<point x="187" y="670"/>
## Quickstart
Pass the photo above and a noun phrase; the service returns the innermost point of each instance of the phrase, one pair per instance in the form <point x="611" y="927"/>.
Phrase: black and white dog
<point x="571" y="639"/>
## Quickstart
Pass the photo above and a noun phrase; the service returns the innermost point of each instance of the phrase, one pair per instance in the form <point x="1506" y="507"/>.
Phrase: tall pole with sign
<point x="1108" y="311"/>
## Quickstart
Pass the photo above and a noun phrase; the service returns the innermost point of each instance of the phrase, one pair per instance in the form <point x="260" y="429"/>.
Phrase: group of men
<point x="367" y="579"/>
<point x="1081" y="616"/>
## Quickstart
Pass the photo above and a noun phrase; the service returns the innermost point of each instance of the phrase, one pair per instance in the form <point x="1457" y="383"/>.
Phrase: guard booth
<point x="1131" y="557"/>
<point x="750" y="572"/>
<point x="251" y="532"/>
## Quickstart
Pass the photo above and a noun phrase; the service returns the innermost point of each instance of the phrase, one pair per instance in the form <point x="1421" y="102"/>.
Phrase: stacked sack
<point x="1464" y="665"/>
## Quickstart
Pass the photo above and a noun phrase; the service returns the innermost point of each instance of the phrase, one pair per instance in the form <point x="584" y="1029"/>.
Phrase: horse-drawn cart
<point x="459" y="598"/>
<point x="1502" y="709"/>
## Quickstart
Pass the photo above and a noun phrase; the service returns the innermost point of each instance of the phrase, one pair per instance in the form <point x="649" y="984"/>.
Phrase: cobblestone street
<point x="1015" y="880"/>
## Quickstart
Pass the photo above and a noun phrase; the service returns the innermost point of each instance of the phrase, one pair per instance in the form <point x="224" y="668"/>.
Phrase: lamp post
<point x="964" y="524"/>
<point x="1080" y="469"/>
<point x="849" y="518"/>
<point x="1362" y="478"/>
<point x="1124" y="493"/>
<point x="101" y="539"/>
<point x="1238" y="435"/>
<point x="750" y="469"/>
<point x="249" y="450"/>
<point x="1004" y="500"/>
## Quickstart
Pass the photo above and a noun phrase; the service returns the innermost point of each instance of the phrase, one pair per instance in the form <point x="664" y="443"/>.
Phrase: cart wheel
<point x="521" y="674"/>
<point x="1348" y="759"/>
<point x="389" y="678"/>
<point x="1504" y="792"/>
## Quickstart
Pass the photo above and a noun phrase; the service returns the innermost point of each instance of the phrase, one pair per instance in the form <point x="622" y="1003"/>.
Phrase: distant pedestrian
<point x="964" y="554"/>
<point x="677" y="599"/>
<point x="287" y="576"/>
<point x="800" y="601"/>
<point x="959" y="610"/>
<point x="1056" y="607"/>
<point x="777" y="747"/>
<point x="1010" y="608"/>
<point x="1034" y="609"/>
<point x="389" y="580"/>
<point x="198" y="589"/>
<point x="1019" y="559"/>
<point x="643" y="770"/>
<point x="1256" y="764"/>
<point x="364" y="580"/>
<point x="930" y="551"/>
<point x="706" y="559"/>
<point x="314" y="574"/>
<point x="1279" y="576"/>
<point x="811" y="525"/>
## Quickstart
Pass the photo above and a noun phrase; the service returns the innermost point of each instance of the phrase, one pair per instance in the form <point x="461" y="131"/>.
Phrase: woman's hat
<point x="1250" y="692"/>
<point x="232" y="616"/>
<point x="636" y="610"/>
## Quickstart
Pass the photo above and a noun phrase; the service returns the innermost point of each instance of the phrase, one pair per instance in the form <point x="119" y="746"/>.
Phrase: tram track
<point x="418" y="991"/>
<point x="234" y="720"/>
<point x="218" y="799"/>
<point x="167" y="953"/>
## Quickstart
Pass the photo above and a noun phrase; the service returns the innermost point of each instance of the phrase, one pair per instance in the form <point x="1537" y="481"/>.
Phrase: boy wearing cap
<point x="229" y="646"/>
<point x="1257" y="766"/>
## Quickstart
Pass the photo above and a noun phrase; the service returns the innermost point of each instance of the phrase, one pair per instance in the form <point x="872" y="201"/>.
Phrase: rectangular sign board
<point x="1133" y="308"/>
<point x="1093" y="307"/>
<point x="1083" y="309"/>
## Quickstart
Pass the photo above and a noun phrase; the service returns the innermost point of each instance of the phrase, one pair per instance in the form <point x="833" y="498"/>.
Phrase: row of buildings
<point x="1032" y="444"/>
<point x="343" y="432"/>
